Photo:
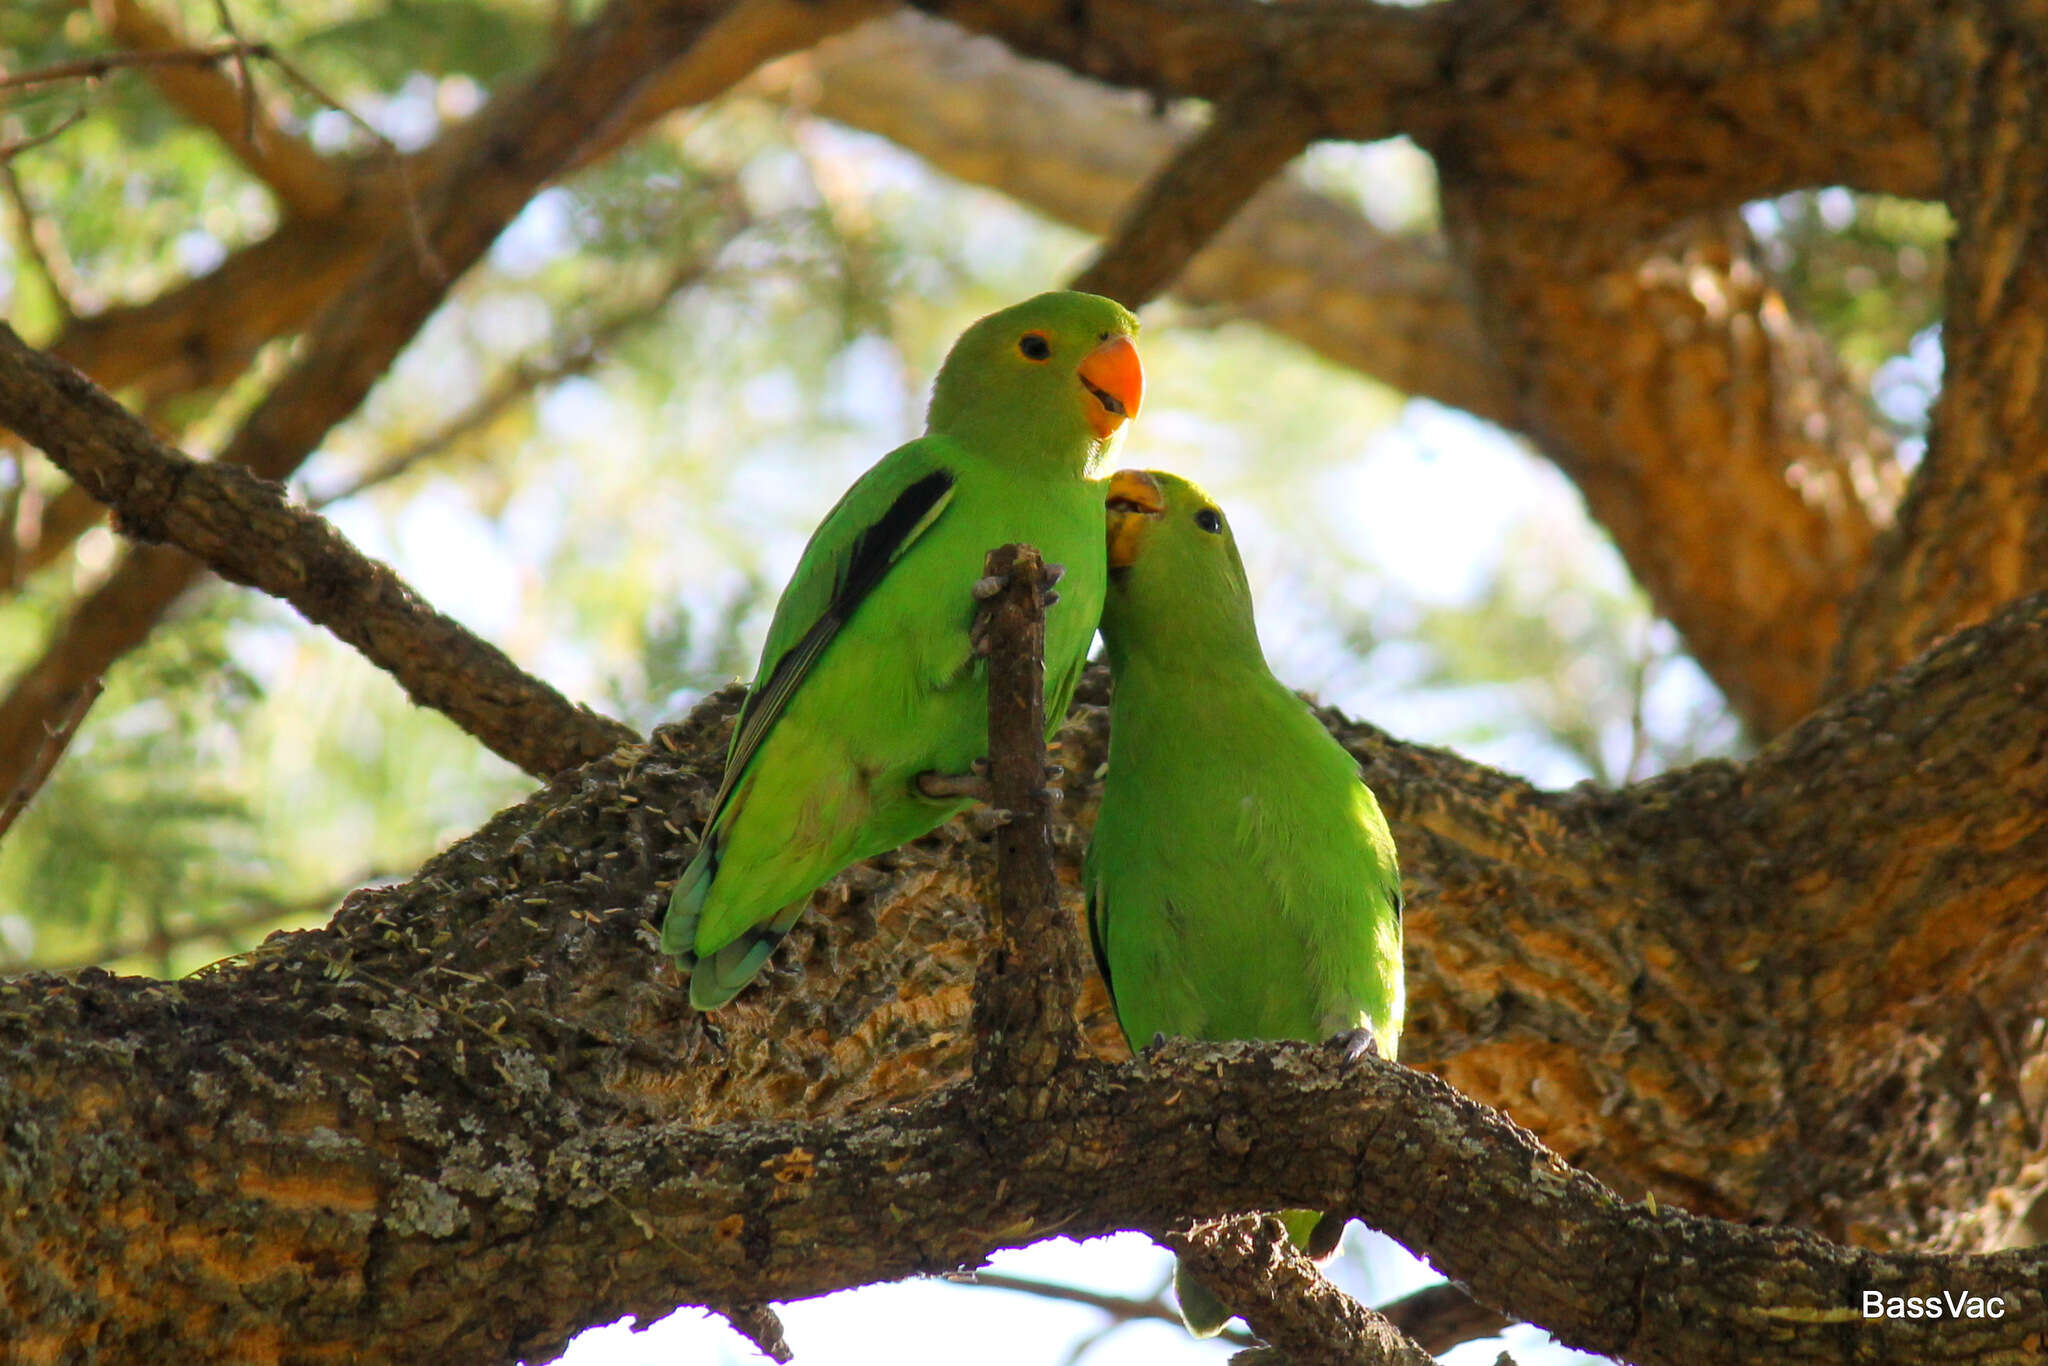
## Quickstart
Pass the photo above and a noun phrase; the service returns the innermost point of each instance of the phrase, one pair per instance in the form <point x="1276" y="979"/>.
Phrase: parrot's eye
<point x="1209" y="520"/>
<point x="1034" y="346"/>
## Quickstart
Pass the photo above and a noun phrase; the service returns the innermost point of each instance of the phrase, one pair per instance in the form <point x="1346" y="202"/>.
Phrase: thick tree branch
<point x="243" y="528"/>
<point x="1707" y="985"/>
<point x="1662" y="111"/>
<point x="484" y="1245"/>
<point x="1973" y="532"/>
<point x="1300" y="262"/>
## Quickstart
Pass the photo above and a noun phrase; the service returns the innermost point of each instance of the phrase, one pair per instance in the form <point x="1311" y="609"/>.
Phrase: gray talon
<point x="1359" y="1043"/>
<point x="949" y="786"/>
<point x="988" y="586"/>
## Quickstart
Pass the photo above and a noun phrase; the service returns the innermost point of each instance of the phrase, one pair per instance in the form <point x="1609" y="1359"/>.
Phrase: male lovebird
<point x="870" y="695"/>
<point x="1241" y="882"/>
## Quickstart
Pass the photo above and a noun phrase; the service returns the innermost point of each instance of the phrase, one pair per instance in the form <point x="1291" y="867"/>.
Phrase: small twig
<point x="31" y="244"/>
<point x="1439" y="1317"/>
<point x="1025" y="993"/>
<point x="431" y="263"/>
<point x="1120" y="1308"/>
<point x="9" y="151"/>
<point x="1249" y="1263"/>
<point x="525" y="377"/>
<point x="94" y="68"/>
<point x="227" y="21"/>
<point x="69" y="718"/>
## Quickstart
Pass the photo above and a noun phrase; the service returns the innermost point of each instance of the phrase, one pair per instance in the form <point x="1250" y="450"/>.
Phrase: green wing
<point x="867" y="531"/>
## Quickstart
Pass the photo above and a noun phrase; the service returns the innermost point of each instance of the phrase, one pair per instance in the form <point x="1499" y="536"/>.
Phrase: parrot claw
<point x="1360" y="1043"/>
<point x="950" y="786"/>
<point x="988" y="585"/>
<point x="975" y="783"/>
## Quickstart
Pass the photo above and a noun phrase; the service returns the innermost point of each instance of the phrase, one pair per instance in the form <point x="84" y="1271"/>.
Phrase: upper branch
<point x="243" y="527"/>
<point x="1580" y="110"/>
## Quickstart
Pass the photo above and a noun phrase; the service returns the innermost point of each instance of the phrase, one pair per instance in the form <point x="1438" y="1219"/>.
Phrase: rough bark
<point x="1974" y="531"/>
<point x="1761" y="990"/>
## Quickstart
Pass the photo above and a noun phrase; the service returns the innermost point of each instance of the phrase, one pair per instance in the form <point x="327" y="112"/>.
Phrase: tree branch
<point x="1250" y="1264"/>
<point x="69" y="719"/>
<point x="244" y="529"/>
<point x="1973" y="531"/>
<point x="93" y="68"/>
<point x="1249" y="139"/>
<point x="1664" y="111"/>
<point x="1024" y="995"/>
<point x="1120" y="1308"/>
<point x="484" y="1248"/>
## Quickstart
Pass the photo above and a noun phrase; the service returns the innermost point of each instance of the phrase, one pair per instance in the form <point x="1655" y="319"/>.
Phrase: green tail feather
<point x="1200" y="1310"/>
<point x="685" y="903"/>
<point x="718" y="976"/>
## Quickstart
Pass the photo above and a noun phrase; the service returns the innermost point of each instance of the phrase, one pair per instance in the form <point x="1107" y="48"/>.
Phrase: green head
<point x="1056" y="375"/>
<point x="1177" y="589"/>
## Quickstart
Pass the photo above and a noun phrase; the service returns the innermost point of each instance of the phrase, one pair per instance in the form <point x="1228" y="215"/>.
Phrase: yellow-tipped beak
<point x="1134" y="503"/>
<point x="1115" y="380"/>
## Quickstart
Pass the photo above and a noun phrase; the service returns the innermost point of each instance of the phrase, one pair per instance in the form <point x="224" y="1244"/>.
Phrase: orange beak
<point x="1114" y="379"/>
<point x="1134" y="503"/>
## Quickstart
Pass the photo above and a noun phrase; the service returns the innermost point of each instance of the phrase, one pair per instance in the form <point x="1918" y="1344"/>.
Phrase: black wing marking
<point x="1098" y="934"/>
<point x="877" y="547"/>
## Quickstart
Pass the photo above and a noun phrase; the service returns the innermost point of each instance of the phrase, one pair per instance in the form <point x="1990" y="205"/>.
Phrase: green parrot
<point x="871" y="705"/>
<point x="1241" y="882"/>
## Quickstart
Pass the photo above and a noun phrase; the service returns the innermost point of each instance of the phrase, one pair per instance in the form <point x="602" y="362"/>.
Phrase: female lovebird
<point x="1241" y="881"/>
<point x="869" y="695"/>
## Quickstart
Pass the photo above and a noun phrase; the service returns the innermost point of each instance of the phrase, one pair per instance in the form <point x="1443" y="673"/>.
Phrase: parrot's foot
<point x="951" y="786"/>
<point x="986" y="587"/>
<point x="1360" y="1043"/>
<point x="974" y="783"/>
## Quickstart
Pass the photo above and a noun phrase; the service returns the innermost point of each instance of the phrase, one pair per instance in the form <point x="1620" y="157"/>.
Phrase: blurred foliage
<point x="1867" y="269"/>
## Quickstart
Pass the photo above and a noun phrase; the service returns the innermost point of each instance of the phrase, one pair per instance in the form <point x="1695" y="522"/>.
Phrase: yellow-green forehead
<point x="1069" y="310"/>
<point x="1181" y="495"/>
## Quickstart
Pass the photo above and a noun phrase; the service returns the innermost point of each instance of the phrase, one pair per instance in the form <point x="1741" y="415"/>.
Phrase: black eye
<point x="1209" y="520"/>
<point x="1034" y="346"/>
